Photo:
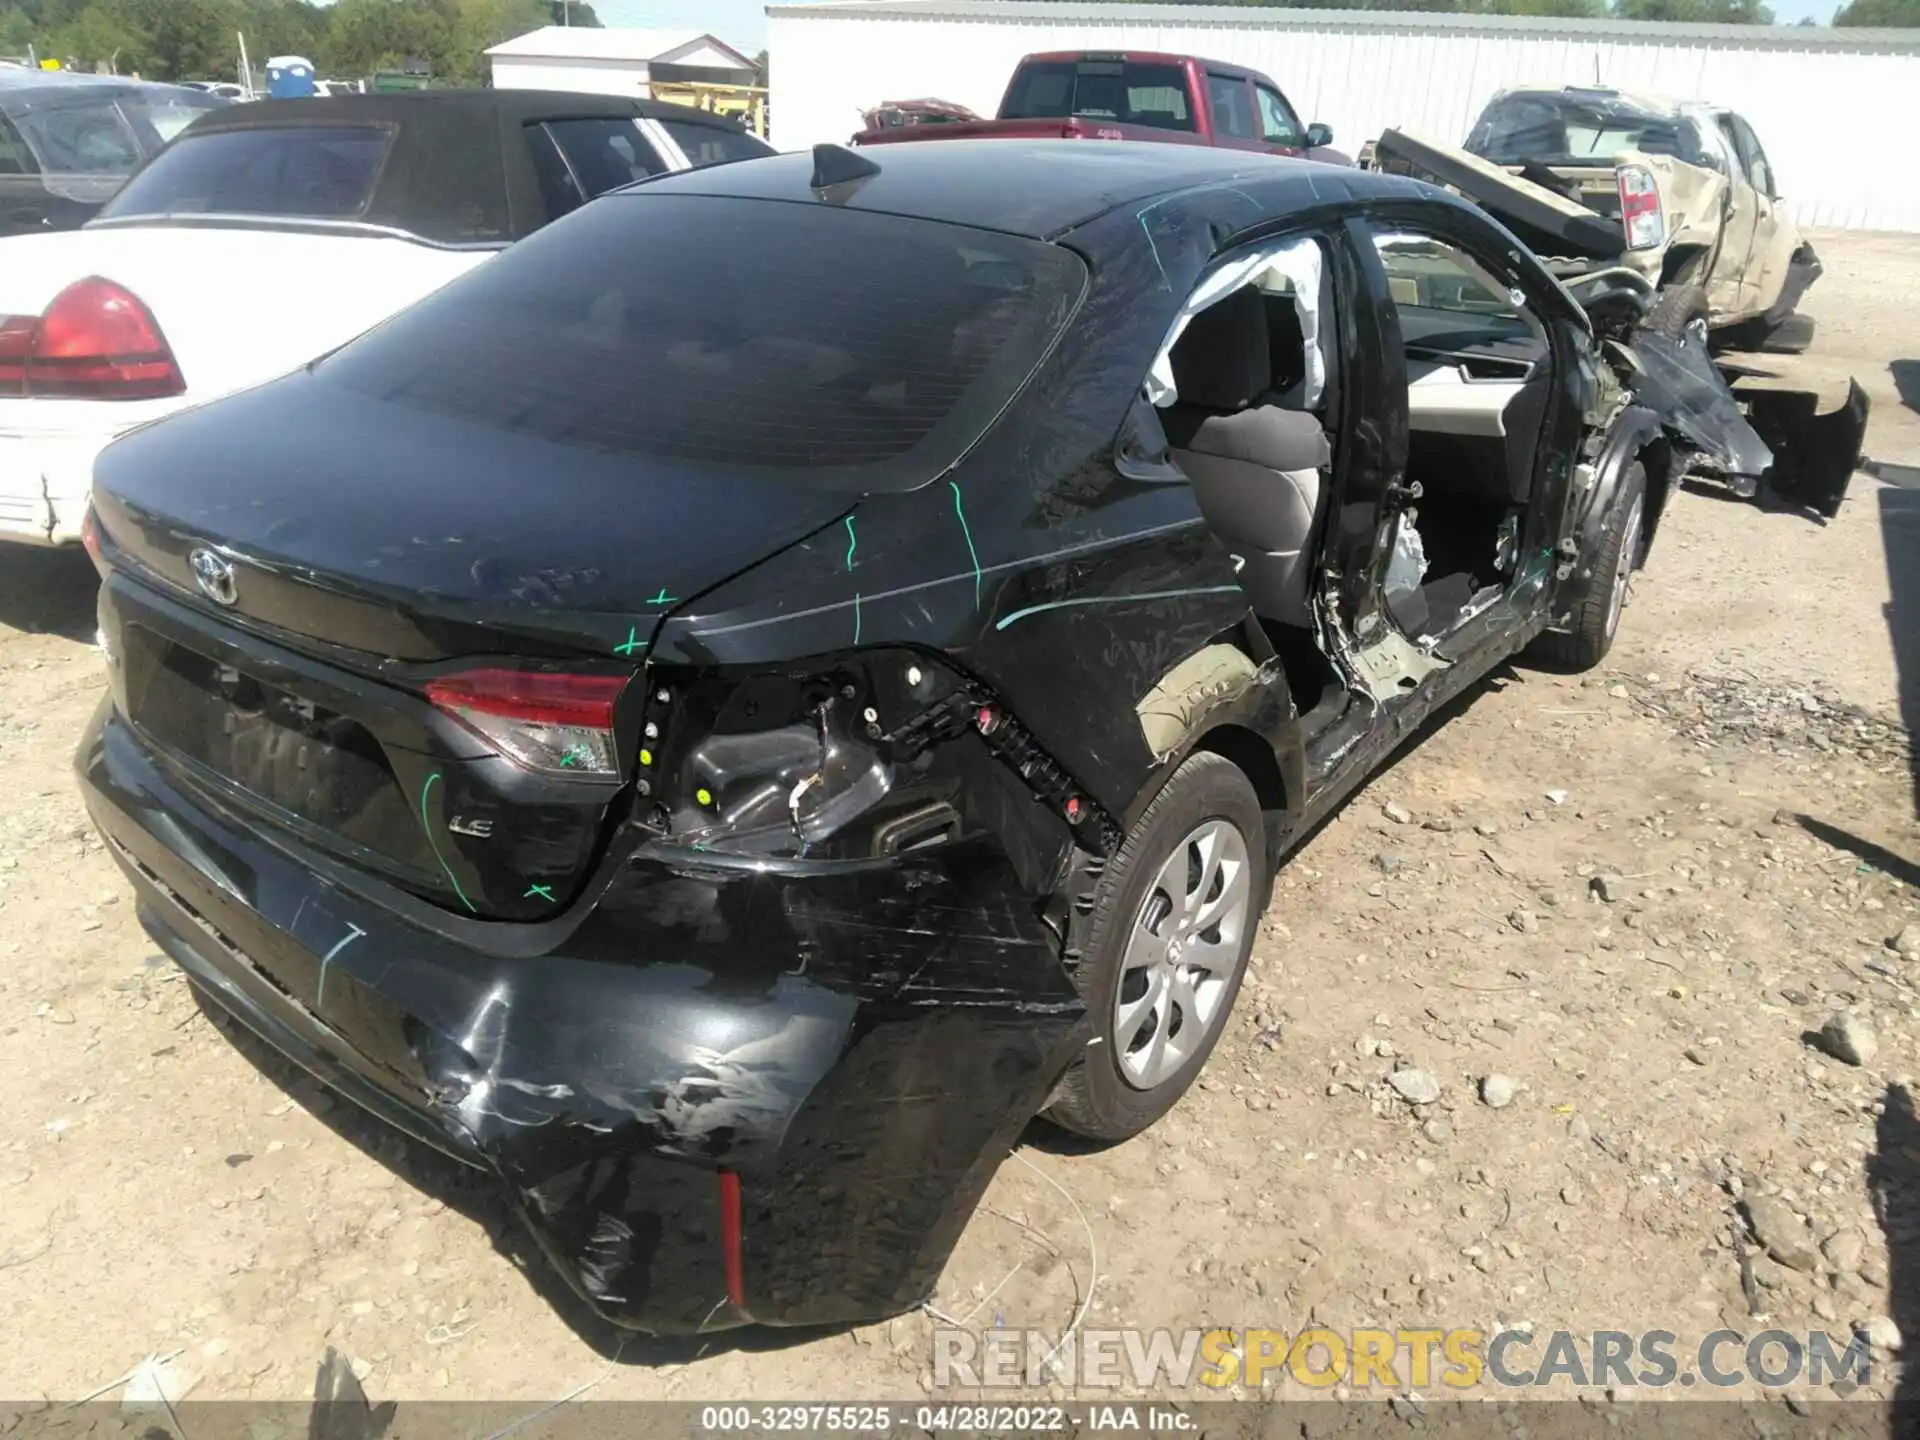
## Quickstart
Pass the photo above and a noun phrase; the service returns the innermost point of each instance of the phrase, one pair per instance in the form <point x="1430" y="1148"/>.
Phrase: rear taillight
<point x="90" y="539"/>
<point x="96" y="341"/>
<point x="1640" y="214"/>
<point x="560" y="724"/>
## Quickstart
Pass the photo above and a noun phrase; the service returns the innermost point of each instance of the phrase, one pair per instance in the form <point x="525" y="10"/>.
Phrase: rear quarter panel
<point x="1034" y="564"/>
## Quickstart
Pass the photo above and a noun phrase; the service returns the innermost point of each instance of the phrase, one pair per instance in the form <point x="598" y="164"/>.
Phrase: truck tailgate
<point x="1504" y="194"/>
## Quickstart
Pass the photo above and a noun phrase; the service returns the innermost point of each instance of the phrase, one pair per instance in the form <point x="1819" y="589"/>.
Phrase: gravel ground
<point x="1635" y="897"/>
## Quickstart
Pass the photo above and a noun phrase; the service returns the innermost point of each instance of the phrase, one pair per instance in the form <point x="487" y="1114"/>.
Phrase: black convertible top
<point x="449" y="107"/>
<point x="457" y="170"/>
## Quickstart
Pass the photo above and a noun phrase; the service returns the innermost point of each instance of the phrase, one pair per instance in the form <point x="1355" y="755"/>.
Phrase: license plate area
<point x="301" y="763"/>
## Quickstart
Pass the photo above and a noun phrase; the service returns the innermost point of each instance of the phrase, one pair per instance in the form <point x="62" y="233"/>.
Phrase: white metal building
<point x="609" y="61"/>
<point x="1831" y="106"/>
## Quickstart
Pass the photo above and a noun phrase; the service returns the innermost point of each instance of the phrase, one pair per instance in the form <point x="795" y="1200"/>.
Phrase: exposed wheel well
<point x="1254" y="757"/>
<point x="1684" y="263"/>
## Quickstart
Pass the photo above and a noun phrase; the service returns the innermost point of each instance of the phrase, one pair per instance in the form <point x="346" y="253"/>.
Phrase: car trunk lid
<point x="366" y="672"/>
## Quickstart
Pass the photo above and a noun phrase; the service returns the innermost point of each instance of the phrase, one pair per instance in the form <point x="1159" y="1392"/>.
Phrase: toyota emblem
<point x="214" y="575"/>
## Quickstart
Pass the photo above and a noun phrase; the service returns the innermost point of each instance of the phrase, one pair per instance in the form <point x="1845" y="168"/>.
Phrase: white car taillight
<point x="1641" y="217"/>
<point x="559" y="724"/>
<point x="95" y="342"/>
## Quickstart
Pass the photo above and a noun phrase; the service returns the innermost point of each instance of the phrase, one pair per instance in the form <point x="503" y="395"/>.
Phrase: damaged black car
<point x="726" y="712"/>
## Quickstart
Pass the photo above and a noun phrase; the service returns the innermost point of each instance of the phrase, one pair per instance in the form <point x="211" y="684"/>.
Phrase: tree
<point x="1721" y="12"/>
<point x="16" y="32"/>
<point x="573" y="12"/>
<point x="184" y="39"/>
<point x="1900" y="13"/>
<point x="368" y="35"/>
<point x="1577" y="9"/>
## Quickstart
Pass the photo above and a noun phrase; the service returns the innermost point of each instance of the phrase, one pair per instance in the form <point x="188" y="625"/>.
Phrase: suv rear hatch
<point x="398" y="604"/>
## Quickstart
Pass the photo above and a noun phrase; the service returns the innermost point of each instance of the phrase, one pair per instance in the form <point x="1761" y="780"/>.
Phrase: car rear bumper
<point x="44" y="481"/>
<point x="856" y="1051"/>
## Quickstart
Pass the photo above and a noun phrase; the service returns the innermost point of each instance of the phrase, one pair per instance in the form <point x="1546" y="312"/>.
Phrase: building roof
<point x="592" y="42"/>
<point x="1260" y="17"/>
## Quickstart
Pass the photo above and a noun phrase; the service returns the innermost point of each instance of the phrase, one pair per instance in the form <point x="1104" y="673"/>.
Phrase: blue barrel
<point x="289" y="77"/>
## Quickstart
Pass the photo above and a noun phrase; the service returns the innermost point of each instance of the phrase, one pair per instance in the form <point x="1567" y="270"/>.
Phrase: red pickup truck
<point x="1102" y="95"/>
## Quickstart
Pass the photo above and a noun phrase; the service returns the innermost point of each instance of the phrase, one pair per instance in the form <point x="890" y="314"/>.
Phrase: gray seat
<point x="1257" y="469"/>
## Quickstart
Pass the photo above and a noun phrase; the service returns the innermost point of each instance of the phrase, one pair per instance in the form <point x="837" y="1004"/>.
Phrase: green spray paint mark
<point x="630" y="644"/>
<point x="853" y="542"/>
<point x="545" y="892"/>
<point x="354" y="932"/>
<point x="960" y="510"/>
<point x="663" y="598"/>
<point x="427" y="825"/>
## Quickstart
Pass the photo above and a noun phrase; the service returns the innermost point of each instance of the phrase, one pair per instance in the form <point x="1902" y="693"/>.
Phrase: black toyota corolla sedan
<point x="724" y="713"/>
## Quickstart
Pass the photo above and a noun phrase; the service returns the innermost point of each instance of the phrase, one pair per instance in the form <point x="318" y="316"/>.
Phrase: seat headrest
<point x="1221" y="360"/>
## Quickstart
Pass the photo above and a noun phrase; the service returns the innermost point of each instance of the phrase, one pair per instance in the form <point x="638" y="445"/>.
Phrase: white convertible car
<point x="267" y="235"/>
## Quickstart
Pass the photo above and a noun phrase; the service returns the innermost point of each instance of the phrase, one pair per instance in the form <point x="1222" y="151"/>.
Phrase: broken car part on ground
<point x="853" y="746"/>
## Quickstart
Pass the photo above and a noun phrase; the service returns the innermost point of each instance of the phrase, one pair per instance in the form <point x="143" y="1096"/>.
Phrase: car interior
<point x="1253" y="407"/>
<point x="1477" y="386"/>
<point x="1253" y="413"/>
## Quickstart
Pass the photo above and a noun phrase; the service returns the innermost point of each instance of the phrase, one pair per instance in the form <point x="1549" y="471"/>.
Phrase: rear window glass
<point x="605" y="154"/>
<point x="15" y="158"/>
<point x="1576" y="128"/>
<point x="1122" y="90"/>
<point x="310" y="172"/>
<point x="834" y="347"/>
<point x="169" y="112"/>
<point x="711" y="145"/>
<point x="81" y="137"/>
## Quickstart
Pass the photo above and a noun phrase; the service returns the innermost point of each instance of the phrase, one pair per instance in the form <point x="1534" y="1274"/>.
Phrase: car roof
<point x="1145" y="57"/>
<point x="1037" y="188"/>
<point x="469" y="106"/>
<point x="455" y="171"/>
<point x="20" y="81"/>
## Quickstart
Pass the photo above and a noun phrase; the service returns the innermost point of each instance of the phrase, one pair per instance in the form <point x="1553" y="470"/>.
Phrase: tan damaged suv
<point x="1680" y="192"/>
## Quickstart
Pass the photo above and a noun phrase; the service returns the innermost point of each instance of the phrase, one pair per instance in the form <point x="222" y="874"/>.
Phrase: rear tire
<point x="1173" y="922"/>
<point x="1594" y="618"/>
<point x="1677" y="310"/>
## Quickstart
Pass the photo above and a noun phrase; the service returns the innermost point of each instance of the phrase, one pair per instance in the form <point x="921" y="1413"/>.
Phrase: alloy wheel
<point x="1181" y="954"/>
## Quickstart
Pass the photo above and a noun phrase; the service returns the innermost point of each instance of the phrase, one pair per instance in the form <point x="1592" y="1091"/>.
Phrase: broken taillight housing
<point x="844" y="763"/>
<point x="96" y="341"/>
<point x="1641" y="216"/>
<point x="558" y="724"/>
<point x="789" y="790"/>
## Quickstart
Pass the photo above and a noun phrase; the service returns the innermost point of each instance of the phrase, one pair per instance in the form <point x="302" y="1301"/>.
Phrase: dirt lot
<point x="1737" y="783"/>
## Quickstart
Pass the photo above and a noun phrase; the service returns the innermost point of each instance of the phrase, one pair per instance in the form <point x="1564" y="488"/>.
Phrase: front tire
<point x="1172" y="925"/>
<point x="1594" y="617"/>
